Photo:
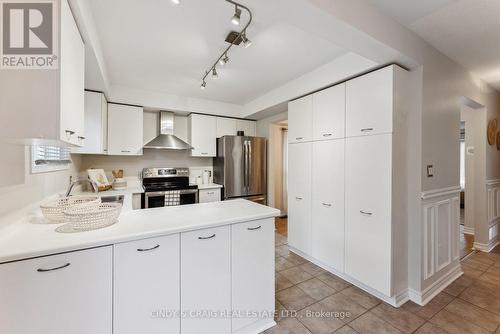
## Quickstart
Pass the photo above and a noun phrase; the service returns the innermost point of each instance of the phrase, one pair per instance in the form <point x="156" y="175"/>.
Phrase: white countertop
<point x="31" y="237"/>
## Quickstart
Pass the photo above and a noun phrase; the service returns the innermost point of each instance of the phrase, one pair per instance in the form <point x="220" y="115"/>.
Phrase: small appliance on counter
<point x="119" y="182"/>
<point x="167" y="186"/>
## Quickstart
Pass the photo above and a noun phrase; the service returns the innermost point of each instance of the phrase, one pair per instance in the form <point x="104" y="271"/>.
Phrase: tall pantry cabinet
<point x="351" y="219"/>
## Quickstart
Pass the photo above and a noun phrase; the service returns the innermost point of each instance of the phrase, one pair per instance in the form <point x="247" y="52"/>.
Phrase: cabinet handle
<point x="366" y="129"/>
<point x="125" y="151"/>
<point x="327" y="204"/>
<point x="210" y="193"/>
<point x="205" y="238"/>
<point x="299" y="138"/>
<point x="69" y="132"/>
<point x="299" y="198"/>
<point x="327" y="135"/>
<point x="81" y="137"/>
<point x="40" y="270"/>
<point x="366" y="213"/>
<point x="147" y="249"/>
<point x="204" y="153"/>
<point x="254" y="228"/>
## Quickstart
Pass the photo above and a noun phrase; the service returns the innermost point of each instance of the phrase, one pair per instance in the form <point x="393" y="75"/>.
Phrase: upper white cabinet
<point x="226" y="127"/>
<point x="125" y="129"/>
<point x="146" y="283"/>
<point x="202" y="135"/>
<point x="48" y="104"/>
<point x="370" y="102"/>
<point x="252" y="270"/>
<point x="329" y="113"/>
<point x="300" y="123"/>
<point x="65" y="293"/>
<point x="206" y="279"/>
<point x="248" y="127"/>
<point x="96" y="124"/>
<point x="299" y="196"/>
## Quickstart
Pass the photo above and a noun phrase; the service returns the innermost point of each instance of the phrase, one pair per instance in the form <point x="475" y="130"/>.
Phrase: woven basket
<point x="84" y="218"/>
<point x="53" y="210"/>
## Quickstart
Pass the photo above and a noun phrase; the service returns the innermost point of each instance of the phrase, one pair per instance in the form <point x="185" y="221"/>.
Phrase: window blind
<point x="47" y="158"/>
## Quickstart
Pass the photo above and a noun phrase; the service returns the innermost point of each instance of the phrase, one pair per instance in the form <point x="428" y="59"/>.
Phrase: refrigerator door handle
<point x="249" y="167"/>
<point x="245" y="166"/>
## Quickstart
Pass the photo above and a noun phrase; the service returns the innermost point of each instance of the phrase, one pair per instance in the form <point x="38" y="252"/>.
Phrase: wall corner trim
<point x="429" y="194"/>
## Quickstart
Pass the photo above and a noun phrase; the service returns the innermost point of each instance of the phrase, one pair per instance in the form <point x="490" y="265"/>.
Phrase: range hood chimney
<point x="166" y="139"/>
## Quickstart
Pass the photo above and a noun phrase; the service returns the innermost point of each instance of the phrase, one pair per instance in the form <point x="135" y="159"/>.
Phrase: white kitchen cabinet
<point x="125" y="129"/>
<point x="328" y="203"/>
<point x="368" y="210"/>
<point x="226" y="127"/>
<point x="49" y="106"/>
<point x="248" y="127"/>
<point x="202" y="135"/>
<point x="299" y="196"/>
<point x="300" y="120"/>
<point x="209" y="195"/>
<point x="252" y="272"/>
<point x="206" y="280"/>
<point x="146" y="286"/>
<point x="329" y="113"/>
<point x="370" y="103"/>
<point x="96" y="124"/>
<point x="59" y="294"/>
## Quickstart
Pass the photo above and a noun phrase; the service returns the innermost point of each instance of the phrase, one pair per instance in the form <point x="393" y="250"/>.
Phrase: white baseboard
<point x="423" y="297"/>
<point x="468" y="230"/>
<point x="486" y="247"/>
<point x="397" y="300"/>
<point x="258" y="327"/>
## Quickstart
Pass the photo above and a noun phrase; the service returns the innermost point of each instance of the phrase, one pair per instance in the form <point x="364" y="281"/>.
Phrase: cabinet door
<point x="72" y="78"/>
<point x="209" y="195"/>
<point x="206" y="280"/>
<point x="329" y="113"/>
<point x="95" y="124"/>
<point x="369" y="103"/>
<point x="125" y="129"/>
<point x="300" y="123"/>
<point x="147" y="286"/>
<point x="299" y="196"/>
<point x="328" y="203"/>
<point x="226" y="127"/>
<point x="59" y="294"/>
<point x="202" y="133"/>
<point x="248" y="127"/>
<point x="252" y="267"/>
<point x="368" y="211"/>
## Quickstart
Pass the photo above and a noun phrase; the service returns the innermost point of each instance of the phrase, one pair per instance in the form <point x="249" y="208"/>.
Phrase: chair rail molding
<point x="435" y="193"/>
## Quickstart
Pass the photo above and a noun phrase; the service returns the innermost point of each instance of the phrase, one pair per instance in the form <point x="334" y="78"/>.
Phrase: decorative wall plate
<point x="492" y="131"/>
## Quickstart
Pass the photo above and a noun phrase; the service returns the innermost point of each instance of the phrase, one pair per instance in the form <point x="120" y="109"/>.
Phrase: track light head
<point x="237" y="16"/>
<point x="203" y="85"/>
<point x="176" y="2"/>
<point x="214" y="74"/>
<point x="246" y="41"/>
<point x="224" y="60"/>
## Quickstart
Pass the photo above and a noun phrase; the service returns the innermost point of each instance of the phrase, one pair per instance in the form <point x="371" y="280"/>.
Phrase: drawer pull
<point x="299" y="138"/>
<point x="367" y="130"/>
<point x="81" y="137"/>
<point x="204" y="153"/>
<point x="299" y="198"/>
<point x="366" y="213"/>
<point x="327" y="135"/>
<point x="125" y="151"/>
<point x="69" y="132"/>
<point x="40" y="270"/>
<point x="147" y="249"/>
<point x="205" y="238"/>
<point x="210" y="193"/>
<point x="254" y="228"/>
<point x="327" y="204"/>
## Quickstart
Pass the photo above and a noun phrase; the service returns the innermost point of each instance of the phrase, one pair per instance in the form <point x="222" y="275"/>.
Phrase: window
<point x="46" y="158"/>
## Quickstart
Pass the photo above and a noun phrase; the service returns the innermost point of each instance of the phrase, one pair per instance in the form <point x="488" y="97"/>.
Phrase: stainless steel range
<point x="167" y="187"/>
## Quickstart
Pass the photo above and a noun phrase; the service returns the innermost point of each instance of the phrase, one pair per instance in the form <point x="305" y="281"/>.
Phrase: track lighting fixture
<point x="176" y="2"/>
<point x="237" y="16"/>
<point x="237" y="38"/>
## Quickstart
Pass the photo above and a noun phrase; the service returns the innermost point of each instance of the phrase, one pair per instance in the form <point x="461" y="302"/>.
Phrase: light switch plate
<point x="430" y="170"/>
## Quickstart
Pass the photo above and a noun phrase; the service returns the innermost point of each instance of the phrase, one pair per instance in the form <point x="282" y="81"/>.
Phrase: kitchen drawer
<point x="58" y="294"/>
<point x="209" y="195"/>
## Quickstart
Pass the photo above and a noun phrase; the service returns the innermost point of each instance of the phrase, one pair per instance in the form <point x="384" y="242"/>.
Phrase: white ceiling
<point x="153" y="45"/>
<point x="464" y="30"/>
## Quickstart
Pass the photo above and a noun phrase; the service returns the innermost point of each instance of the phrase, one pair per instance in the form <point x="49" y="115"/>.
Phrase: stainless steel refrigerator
<point x="240" y="166"/>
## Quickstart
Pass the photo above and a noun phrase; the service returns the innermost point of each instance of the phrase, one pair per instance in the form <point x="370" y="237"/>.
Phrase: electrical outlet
<point x="430" y="170"/>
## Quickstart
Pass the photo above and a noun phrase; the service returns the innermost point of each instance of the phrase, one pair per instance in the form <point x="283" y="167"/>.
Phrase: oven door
<point x="157" y="199"/>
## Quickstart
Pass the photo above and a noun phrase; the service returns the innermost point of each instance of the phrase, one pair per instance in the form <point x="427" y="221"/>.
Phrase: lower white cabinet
<point x="299" y="196"/>
<point x="209" y="195"/>
<point x="368" y="228"/>
<point x="146" y="286"/>
<point x="206" y="281"/>
<point x="59" y="294"/>
<point x="327" y="221"/>
<point x="252" y="272"/>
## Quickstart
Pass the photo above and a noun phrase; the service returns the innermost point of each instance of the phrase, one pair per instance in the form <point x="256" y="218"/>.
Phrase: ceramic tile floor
<point x="311" y="300"/>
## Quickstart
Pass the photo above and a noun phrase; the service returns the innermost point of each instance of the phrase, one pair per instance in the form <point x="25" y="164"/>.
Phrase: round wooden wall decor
<point x="492" y="131"/>
<point x="498" y="141"/>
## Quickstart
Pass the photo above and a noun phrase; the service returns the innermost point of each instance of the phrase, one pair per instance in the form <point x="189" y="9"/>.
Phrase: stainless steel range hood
<point x="166" y="139"/>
